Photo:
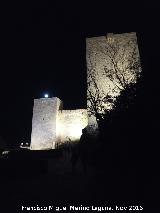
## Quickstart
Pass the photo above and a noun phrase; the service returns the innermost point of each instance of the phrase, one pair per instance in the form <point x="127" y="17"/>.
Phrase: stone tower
<point x="113" y="62"/>
<point x="44" y="123"/>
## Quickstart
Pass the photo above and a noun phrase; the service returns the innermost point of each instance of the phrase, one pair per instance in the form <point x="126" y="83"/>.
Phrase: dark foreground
<point x="46" y="179"/>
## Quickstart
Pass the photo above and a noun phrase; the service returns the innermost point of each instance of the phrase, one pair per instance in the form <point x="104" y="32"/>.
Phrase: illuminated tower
<point x="113" y="62"/>
<point x="53" y="126"/>
<point x="44" y="123"/>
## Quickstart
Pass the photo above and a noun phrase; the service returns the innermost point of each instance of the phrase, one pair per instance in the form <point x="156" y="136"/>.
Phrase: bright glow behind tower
<point x="46" y="95"/>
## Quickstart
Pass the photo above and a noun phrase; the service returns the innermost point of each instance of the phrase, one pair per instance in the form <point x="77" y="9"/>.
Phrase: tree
<point x="113" y="65"/>
<point x="97" y="98"/>
<point x="125" y="63"/>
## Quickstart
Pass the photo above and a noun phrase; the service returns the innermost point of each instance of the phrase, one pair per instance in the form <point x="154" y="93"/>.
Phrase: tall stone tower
<point x="113" y="62"/>
<point x="44" y="123"/>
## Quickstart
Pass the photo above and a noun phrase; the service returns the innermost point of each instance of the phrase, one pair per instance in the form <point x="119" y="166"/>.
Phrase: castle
<point x="113" y="62"/>
<point x="51" y="125"/>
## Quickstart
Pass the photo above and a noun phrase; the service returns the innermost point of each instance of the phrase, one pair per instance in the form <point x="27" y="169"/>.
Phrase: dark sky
<point x="44" y="51"/>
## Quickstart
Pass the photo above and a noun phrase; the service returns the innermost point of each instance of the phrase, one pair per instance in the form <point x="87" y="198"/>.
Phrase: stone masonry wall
<point x="44" y="123"/>
<point x="99" y="54"/>
<point x="71" y="123"/>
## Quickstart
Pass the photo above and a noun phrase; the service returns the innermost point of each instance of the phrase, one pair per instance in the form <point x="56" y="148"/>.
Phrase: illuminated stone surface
<point x="71" y="123"/>
<point x="44" y="123"/>
<point x="105" y="55"/>
<point x="51" y="125"/>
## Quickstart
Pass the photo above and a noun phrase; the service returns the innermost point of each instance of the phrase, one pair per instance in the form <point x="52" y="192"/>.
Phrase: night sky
<point x="44" y="51"/>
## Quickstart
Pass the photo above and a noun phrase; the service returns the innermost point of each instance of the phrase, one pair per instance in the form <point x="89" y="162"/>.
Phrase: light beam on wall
<point x="70" y="124"/>
<point x="76" y="131"/>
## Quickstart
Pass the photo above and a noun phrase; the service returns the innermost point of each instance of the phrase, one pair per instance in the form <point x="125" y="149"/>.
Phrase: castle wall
<point x="51" y="125"/>
<point x="71" y="123"/>
<point x="44" y="125"/>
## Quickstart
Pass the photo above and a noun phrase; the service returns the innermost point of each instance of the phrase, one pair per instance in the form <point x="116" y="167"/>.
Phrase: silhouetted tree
<point x="124" y="63"/>
<point x="122" y="68"/>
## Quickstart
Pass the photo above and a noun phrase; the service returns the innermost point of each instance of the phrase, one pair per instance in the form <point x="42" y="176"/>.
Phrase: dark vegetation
<point x="121" y="151"/>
